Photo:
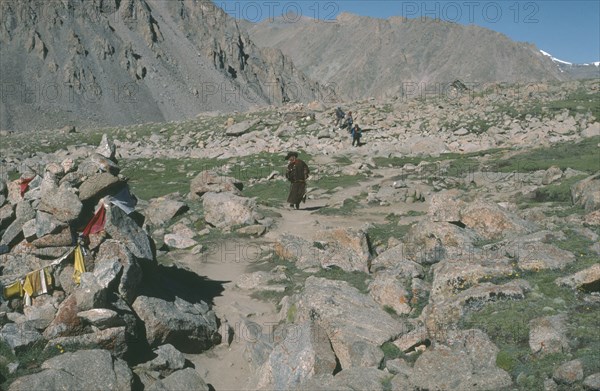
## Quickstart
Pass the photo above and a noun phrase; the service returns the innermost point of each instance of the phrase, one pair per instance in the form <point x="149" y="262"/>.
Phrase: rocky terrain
<point x="116" y="62"/>
<point x="364" y="57"/>
<point x="456" y="248"/>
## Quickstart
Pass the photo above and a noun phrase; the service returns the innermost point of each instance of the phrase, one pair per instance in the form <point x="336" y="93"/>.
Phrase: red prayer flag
<point x="25" y="184"/>
<point x="96" y="224"/>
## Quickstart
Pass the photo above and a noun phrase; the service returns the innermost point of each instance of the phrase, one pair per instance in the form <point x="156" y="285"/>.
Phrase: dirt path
<point x="225" y="366"/>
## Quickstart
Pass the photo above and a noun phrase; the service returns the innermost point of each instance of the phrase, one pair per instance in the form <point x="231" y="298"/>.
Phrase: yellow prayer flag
<point x="78" y="265"/>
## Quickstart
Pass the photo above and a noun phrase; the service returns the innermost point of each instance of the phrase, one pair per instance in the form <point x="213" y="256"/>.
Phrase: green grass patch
<point x="358" y="280"/>
<point x="381" y="233"/>
<point x="272" y="193"/>
<point x="151" y="178"/>
<point x="582" y="156"/>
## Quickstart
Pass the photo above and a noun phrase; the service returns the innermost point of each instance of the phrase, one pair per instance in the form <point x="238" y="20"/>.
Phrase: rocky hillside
<point x="123" y="62"/>
<point x="366" y="57"/>
<point x="455" y="248"/>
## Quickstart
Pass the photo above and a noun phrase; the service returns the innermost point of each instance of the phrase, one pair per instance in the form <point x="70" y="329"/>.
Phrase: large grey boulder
<point x="586" y="193"/>
<point x="429" y="242"/>
<point x="213" y="182"/>
<point x="112" y="339"/>
<point x="167" y="360"/>
<point x="124" y="229"/>
<point x="186" y="379"/>
<point x="101" y="318"/>
<point x="82" y="370"/>
<point x="569" y="372"/>
<point x="20" y="336"/>
<point x="345" y="248"/>
<point x="466" y="362"/>
<point x="305" y="351"/>
<point x="298" y="250"/>
<point x="241" y="128"/>
<point x="106" y="147"/>
<point x="395" y="261"/>
<point x="346" y="315"/>
<point x="46" y="224"/>
<point x="7" y="215"/>
<point x="388" y="291"/>
<point x="586" y="280"/>
<point x="97" y="186"/>
<point x="491" y="221"/>
<point x="189" y="327"/>
<point x="592" y="382"/>
<point x="224" y="210"/>
<point x="548" y="334"/>
<point x="61" y="202"/>
<point x="160" y="210"/>
<point x="114" y="256"/>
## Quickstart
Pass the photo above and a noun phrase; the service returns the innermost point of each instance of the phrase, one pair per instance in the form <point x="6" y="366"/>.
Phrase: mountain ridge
<point x="366" y="56"/>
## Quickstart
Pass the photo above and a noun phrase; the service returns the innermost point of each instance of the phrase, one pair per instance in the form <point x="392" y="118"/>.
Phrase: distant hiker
<point x="297" y="173"/>
<point x="339" y="116"/>
<point x="348" y="121"/>
<point x="356" y="133"/>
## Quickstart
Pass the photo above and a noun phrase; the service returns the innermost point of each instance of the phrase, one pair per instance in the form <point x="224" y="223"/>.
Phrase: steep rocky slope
<point x="130" y="61"/>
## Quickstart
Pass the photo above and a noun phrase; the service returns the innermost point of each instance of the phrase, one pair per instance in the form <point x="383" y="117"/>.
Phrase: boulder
<point x="46" y="224"/>
<point x="241" y="128"/>
<point x="388" y="291"/>
<point x="491" y="221"/>
<point x="178" y="241"/>
<point x="586" y="193"/>
<point x="429" y="242"/>
<point x="112" y="257"/>
<point x="592" y="382"/>
<point x="298" y="250"/>
<point x="167" y="360"/>
<point x="95" y="369"/>
<point x="101" y="318"/>
<point x="7" y="215"/>
<point x="124" y="229"/>
<point x="191" y="328"/>
<point x="98" y="186"/>
<point x="20" y="336"/>
<point x="466" y="362"/>
<point x="112" y="339"/>
<point x="303" y="352"/>
<point x="395" y="261"/>
<point x="106" y="148"/>
<point x="346" y="315"/>
<point x="548" y="334"/>
<point x="569" y="372"/>
<point x="345" y="248"/>
<point x="586" y="280"/>
<point x="160" y="211"/>
<point x="212" y="182"/>
<point x="61" y="202"/>
<point x="66" y="322"/>
<point x="225" y="210"/>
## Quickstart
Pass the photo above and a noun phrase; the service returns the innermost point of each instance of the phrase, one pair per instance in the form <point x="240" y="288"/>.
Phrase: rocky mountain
<point x="116" y="62"/>
<point x="365" y="57"/>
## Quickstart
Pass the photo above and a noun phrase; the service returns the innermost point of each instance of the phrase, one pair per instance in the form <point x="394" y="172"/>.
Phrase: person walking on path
<point x="297" y="173"/>
<point x="356" y="135"/>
